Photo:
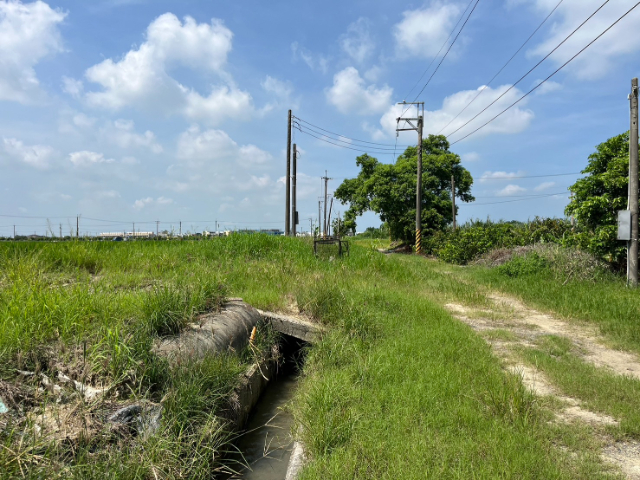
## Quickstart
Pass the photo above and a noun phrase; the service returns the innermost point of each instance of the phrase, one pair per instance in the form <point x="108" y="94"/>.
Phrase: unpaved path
<point x="520" y="326"/>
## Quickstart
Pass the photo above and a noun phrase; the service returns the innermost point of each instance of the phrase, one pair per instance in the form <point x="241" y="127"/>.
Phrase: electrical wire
<point x="503" y="67"/>
<point x="523" y="196"/>
<point x="509" y="177"/>
<point x="446" y="53"/>
<point x="361" y="150"/>
<point x="546" y="79"/>
<point x="441" y="47"/>
<point x="517" y="200"/>
<point x="387" y="148"/>
<point x="530" y="70"/>
<point x="344" y="136"/>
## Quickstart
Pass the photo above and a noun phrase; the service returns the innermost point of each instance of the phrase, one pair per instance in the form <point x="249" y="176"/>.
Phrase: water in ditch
<point x="267" y="443"/>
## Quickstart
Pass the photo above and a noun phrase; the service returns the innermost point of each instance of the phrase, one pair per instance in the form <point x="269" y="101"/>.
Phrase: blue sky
<point x="129" y="111"/>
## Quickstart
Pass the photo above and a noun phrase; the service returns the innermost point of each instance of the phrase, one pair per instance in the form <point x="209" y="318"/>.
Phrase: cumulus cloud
<point x="423" y="31"/>
<point x="122" y="133"/>
<point x="313" y="61"/>
<point x="38" y="156"/>
<point x="499" y="175"/>
<point x="511" y="190"/>
<point x="598" y="59"/>
<point x="349" y="94"/>
<point x="29" y="33"/>
<point x="357" y="42"/>
<point x="87" y="158"/>
<point x="547" y="87"/>
<point x="280" y="91"/>
<point x="215" y="146"/>
<point x="151" y="202"/>
<point x="73" y="87"/>
<point x="515" y="120"/>
<point x="141" y="78"/>
<point x="545" y="186"/>
<point x="470" y="157"/>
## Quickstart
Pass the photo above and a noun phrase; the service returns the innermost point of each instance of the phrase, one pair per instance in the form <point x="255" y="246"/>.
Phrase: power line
<point x="517" y="200"/>
<point x="503" y="67"/>
<point x="361" y="150"/>
<point x="441" y="47"/>
<point x="530" y="70"/>
<point x="524" y="196"/>
<point x="347" y="142"/>
<point x="447" y="52"/>
<point x="509" y="177"/>
<point x="343" y="136"/>
<point x="542" y="82"/>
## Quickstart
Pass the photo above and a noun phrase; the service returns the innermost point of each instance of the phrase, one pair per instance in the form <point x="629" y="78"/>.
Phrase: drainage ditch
<point x="267" y="443"/>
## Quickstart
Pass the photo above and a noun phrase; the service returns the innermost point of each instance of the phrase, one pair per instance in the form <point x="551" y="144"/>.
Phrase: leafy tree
<point x="598" y="197"/>
<point x="390" y="189"/>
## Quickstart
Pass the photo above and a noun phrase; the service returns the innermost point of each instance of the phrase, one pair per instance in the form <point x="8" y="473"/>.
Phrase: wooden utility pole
<point x="287" y="228"/>
<point x="418" y="128"/>
<point x="294" y="212"/>
<point x="453" y="200"/>
<point x="633" y="186"/>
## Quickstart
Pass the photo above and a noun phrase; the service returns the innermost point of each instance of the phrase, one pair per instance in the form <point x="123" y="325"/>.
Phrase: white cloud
<point x="28" y="33"/>
<point x="515" y="120"/>
<point x="422" y="32"/>
<point x="37" y="156"/>
<point x="547" y="87"/>
<point x="357" y="42"/>
<point x="73" y="87"/>
<point x="122" y="133"/>
<point x="108" y="194"/>
<point x="86" y="158"/>
<point x="601" y="57"/>
<point x="511" y="190"/>
<point x="313" y="61"/>
<point x="141" y="78"/>
<point x="499" y="175"/>
<point x="349" y="94"/>
<point x="545" y="186"/>
<point x="281" y="91"/>
<point x="215" y="146"/>
<point x="470" y="157"/>
<point x="150" y="202"/>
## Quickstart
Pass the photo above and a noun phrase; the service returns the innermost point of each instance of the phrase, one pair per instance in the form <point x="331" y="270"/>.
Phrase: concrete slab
<point x="292" y="326"/>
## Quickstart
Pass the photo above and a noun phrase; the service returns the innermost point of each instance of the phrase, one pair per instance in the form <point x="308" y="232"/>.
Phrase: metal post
<point x="294" y="212"/>
<point x="453" y="200"/>
<point x="287" y="219"/>
<point x="633" y="186"/>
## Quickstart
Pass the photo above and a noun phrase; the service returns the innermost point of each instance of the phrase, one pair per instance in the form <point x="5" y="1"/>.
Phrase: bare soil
<point x="509" y="325"/>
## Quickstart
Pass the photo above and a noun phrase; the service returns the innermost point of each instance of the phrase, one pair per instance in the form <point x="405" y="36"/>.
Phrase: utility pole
<point x="77" y="227"/>
<point x="14" y="232"/>
<point x="311" y="226"/>
<point x="294" y="212"/>
<point x="324" y="224"/>
<point x="287" y="219"/>
<point x="133" y="233"/>
<point x="632" y="274"/>
<point x="319" y="217"/>
<point x="60" y="230"/>
<point x="157" y="228"/>
<point x="418" y="128"/>
<point x="180" y="228"/>
<point x="453" y="200"/>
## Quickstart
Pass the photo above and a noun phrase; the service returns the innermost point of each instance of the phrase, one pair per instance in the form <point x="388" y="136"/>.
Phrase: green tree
<point x="598" y="197"/>
<point x="390" y="189"/>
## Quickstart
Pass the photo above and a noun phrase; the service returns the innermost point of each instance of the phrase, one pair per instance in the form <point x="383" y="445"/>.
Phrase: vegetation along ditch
<point x="393" y="387"/>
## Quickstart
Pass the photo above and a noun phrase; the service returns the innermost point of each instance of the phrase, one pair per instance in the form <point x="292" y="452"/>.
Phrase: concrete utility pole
<point x="632" y="274"/>
<point x="60" y="230"/>
<point x="180" y="229"/>
<point x="453" y="200"/>
<point x="14" y="232"/>
<point x="324" y="224"/>
<point x="77" y="227"/>
<point x="418" y="128"/>
<point x="287" y="219"/>
<point x="319" y="217"/>
<point x="157" y="228"/>
<point x="294" y="212"/>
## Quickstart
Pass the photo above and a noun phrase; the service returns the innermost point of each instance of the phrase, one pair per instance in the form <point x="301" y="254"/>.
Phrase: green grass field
<point x="397" y="388"/>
